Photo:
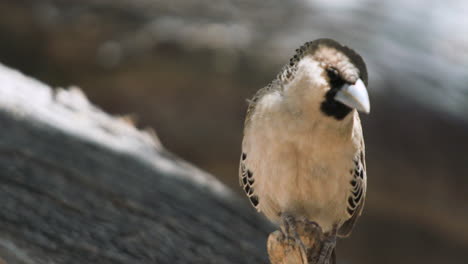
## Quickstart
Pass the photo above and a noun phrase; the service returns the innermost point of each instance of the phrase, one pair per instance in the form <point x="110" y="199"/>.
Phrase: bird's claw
<point x="326" y="254"/>
<point x="315" y="246"/>
<point x="289" y="228"/>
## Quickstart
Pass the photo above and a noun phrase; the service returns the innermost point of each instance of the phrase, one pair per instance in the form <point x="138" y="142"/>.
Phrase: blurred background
<point x="186" y="68"/>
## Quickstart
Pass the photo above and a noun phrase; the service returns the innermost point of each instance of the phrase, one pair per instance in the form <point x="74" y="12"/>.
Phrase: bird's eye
<point x="333" y="74"/>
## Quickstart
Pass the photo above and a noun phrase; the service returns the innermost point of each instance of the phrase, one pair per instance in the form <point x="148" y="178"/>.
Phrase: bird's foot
<point x="301" y="241"/>
<point x="289" y="227"/>
<point x="326" y="253"/>
<point x="310" y="231"/>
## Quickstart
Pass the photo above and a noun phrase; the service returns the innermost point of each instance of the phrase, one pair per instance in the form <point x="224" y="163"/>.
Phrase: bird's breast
<point x="301" y="171"/>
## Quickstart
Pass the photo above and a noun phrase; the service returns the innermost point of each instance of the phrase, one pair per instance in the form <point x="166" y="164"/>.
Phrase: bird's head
<point x="330" y="76"/>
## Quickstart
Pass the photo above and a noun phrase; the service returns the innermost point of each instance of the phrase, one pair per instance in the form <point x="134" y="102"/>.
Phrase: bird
<point x="303" y="153"/>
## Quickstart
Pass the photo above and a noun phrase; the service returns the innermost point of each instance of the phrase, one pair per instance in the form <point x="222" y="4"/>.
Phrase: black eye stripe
<point x="336" y="82"/>
<point x="333" y="74"/>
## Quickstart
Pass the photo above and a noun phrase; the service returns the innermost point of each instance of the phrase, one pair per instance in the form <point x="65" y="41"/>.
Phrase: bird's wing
<point x="358" y="188"/>
<point x="246" y="180"/>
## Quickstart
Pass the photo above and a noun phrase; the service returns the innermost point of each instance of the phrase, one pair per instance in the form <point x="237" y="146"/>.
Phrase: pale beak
<point x="354" y="96"/>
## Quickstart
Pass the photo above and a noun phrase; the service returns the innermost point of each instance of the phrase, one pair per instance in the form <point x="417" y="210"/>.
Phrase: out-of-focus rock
<point x="80" y="186"/>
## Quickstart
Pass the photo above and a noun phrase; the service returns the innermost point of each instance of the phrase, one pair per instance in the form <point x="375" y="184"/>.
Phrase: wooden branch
<point x="79" y="186"/>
